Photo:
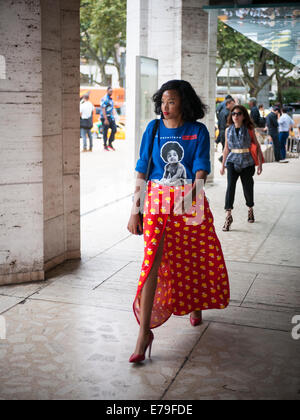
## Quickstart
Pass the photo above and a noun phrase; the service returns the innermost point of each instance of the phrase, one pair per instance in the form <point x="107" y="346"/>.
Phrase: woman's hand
<point x="259" y="169"/>
<point x="134" y="225"/>
<point x="222" y="170"/>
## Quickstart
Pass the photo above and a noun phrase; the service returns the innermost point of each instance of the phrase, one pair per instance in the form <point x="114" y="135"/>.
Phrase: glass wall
<point x="147" y="72"/>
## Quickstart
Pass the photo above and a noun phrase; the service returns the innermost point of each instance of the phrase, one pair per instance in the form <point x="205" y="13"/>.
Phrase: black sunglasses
<point x="238" y="114"/>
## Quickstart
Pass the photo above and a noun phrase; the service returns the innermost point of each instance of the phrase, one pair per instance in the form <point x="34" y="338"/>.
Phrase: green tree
<point x="103" y="32"/>
<point x="290" y="95"/>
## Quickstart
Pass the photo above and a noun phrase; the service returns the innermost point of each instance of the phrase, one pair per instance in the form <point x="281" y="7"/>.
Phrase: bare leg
<point x="147" y="298"/>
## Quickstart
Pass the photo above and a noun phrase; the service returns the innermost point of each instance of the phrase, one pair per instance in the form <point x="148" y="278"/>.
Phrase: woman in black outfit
<point x="238" y="160"/>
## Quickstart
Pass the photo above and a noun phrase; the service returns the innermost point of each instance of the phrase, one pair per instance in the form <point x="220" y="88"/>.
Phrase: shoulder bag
<point x="254" y="149"/>
<point x="143" y="193"/>
<point x="86" y="123"/>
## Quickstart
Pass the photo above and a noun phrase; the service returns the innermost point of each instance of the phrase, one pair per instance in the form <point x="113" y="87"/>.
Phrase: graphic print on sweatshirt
<point x="172" y="153"/>
<point x="191" y="153"/>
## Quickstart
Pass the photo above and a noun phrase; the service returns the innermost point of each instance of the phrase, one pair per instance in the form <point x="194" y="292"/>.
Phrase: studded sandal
<point x="227" y="224"/>
<point x="251" y="216"/>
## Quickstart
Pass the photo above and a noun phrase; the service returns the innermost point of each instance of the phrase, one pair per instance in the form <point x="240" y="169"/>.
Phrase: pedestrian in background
<point x="108" y="119"/>
<point x="254" y="112"/>
<point x="260" y="131"/>
<point x="272" y="124"/>
<point x="285" y="123"/>
<point x="222" y="105"/>
<point x="261" y="109"/>
<point x="86" y="121"/>
<point x="238" y="161"/>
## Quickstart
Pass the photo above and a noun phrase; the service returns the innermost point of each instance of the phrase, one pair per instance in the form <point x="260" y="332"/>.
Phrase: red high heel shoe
<point x="195" y="321"/>
<point x="137" y="358"/>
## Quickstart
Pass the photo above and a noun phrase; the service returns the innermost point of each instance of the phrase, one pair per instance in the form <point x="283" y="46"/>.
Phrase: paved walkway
<point x="70" y="336"/>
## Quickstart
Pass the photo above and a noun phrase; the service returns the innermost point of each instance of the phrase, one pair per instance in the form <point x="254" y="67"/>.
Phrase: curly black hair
<point x="171" y="145"/>
<point x="193" y="108"/>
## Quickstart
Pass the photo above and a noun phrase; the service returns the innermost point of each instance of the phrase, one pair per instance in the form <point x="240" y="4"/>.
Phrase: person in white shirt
<point x="86" y="121"/>
<point x="285" y="122"/>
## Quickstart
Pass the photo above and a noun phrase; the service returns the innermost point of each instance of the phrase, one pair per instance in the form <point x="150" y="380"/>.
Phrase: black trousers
<point x="247" y="183"/>
<point x="276" y="145"/>
<point x="113" y="127"/>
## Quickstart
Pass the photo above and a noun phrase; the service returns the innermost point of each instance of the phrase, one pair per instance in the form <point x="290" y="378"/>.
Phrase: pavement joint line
<point x="8" y="184"/>
<point x="27" y="297"/>
<point x="24" y="300"/>
<point x="255" y="277"/>
<point x="271" y="230"/>
<point x="278" y="183"/>
<point x="129" y="311"/>
<point x="247" y="325"/>
<point x="261" y="306"/>
<point x="107" y="249"/>
<point x="292" y="308"/>
<point x="297" y="267"/>
<point x="90" y="305"/>
<point x="105" y="205"/>
<point x="11" y="307"/>
<point x="219" y="181"/>
<point x="109" y="277"/>
<point x="184" y="362"/>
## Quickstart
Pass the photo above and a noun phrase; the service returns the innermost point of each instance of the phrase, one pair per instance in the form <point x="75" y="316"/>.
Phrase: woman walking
<point x="183" y="270"/>
<point x="239" y="162"/>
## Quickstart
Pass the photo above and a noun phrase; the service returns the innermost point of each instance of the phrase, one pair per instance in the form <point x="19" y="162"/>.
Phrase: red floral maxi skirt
<point x="192" y="275"/>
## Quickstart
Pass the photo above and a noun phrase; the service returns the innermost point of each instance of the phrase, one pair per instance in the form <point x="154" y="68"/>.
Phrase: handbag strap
<point x="156" y="125"/>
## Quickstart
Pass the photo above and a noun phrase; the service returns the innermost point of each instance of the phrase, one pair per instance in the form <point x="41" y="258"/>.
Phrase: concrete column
<point x="137" y="41"/>
<point x="199" y="45"/>
<point x="212" y="81"/>
<point x="70" y="41"/>
<point x="39" y="135"/>
<point x="21" y="138"/>
<point x="60" y="52"/>
<point x="183" y="37"/>
<point x="165" y="37"/>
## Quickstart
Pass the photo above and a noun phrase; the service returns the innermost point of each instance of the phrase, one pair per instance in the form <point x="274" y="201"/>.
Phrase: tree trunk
<point x="117" y="64"/>
<point x="279" y="89"/>
<point x="280" y="78"/>
<point x="101" y="62"/>
<point x="254" y="86"/>
<point x="228" y="79"/>
<point x="105" y="81"/>
<point x="220" y="67"/>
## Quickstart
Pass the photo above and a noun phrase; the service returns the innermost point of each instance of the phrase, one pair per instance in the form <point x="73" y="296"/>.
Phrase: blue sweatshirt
<point x="178" y="153"/>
